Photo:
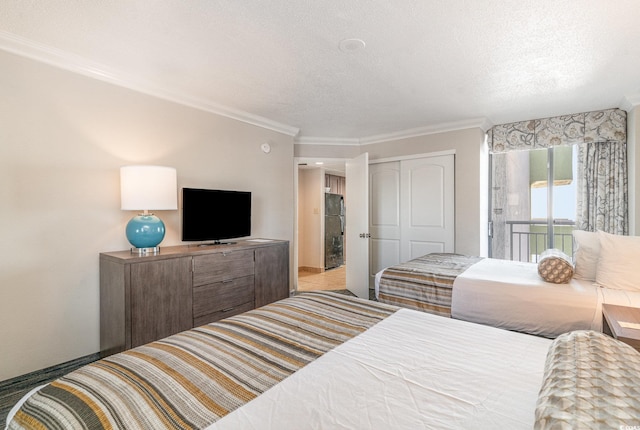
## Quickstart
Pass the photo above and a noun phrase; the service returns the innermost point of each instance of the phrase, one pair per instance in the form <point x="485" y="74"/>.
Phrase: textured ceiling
<point x="426" y="64"/>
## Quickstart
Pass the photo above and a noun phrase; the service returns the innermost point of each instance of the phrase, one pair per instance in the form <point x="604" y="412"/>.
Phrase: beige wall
<point x="63" y="138"/>
<point x="470" y="177"/>
<point x="326" y="151"/>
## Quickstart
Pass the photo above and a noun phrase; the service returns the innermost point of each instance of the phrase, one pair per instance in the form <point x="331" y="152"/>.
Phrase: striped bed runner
<point x="191" y="379"/>
<point x="424" y="283"/>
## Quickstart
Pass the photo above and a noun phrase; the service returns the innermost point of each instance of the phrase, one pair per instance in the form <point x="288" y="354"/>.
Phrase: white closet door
<point x="411" y="209"/>
<point x="384" y="215"/>
<point x="427" y="206"/>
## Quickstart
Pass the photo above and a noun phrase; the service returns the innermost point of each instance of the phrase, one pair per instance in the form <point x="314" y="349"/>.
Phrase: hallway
<point x="330" y="280"/>
<point x="333" y="279"/>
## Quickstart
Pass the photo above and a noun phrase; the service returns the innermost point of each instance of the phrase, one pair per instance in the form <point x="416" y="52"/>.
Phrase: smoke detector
<point x="352" y="45"/>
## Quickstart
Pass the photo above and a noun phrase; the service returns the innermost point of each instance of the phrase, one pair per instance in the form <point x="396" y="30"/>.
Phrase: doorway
<point x="321" y="251"/>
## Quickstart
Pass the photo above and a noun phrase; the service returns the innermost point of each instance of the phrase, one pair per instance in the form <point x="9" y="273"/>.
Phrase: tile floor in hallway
<point x="332" y="279"/>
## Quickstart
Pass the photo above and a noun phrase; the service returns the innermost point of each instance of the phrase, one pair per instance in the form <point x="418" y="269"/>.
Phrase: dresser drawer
<point x="216" y="316"/>
<point x="222" y="266"/>
<point x="222" y="295"/>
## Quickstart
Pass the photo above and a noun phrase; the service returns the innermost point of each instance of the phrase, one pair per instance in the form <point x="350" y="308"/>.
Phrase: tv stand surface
<point x="217" y="242"/>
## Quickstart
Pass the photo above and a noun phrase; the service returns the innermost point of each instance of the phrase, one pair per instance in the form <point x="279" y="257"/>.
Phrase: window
<point x="527" y="215"/>
<point x="521" y="225"/>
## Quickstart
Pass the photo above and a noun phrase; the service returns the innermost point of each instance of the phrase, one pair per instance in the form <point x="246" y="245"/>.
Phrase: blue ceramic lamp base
<point x="145" y="232"/>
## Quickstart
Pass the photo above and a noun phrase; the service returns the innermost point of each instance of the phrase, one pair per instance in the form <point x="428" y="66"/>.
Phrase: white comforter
<point x="511" y="295"/>
<point x="412" y="370"/>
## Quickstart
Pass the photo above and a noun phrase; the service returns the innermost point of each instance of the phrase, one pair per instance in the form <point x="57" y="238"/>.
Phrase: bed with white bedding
<point x="413" y="370"/>
<point x="513" y="295"/>
<point x="323" y="360"/>
<point x="510" y="295"/>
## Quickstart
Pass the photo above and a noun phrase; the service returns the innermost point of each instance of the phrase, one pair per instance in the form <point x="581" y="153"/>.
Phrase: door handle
<point x="365" y="235"/>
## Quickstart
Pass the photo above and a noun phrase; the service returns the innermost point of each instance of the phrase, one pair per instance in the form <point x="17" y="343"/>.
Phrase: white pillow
<point x="585" y="257"/>
<point x="619" y="263"/>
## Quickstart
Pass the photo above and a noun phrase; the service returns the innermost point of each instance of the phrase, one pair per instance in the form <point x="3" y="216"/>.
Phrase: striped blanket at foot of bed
<point x="424" y="283"/>
<point x="191" y="379"/>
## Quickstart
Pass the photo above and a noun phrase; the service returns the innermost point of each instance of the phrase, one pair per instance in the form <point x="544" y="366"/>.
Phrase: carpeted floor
<point x="13" y="389"/>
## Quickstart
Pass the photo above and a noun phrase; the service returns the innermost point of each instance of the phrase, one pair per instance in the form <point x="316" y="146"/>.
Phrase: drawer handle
<point x="228" y="309"/>
<point x="227" y="281"/>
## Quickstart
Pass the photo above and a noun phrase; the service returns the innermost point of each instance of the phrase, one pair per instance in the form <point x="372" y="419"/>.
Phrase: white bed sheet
<point x="618" y="297"/>
<point x="376" y="283"/>
<point x="513" y="296"/>
<point x="412" y="370"/>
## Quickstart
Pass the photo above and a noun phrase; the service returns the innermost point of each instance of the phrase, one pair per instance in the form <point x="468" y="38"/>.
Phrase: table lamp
<point x="147" y="188"/>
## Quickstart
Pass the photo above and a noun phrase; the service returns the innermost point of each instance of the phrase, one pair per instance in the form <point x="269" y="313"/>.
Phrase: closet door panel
<point x="427" y="206"/>
<point x="384" y="215"/>
<point x="426" y="196"/>
<point x="418" y="248"/>
<point x="411" y="210"/>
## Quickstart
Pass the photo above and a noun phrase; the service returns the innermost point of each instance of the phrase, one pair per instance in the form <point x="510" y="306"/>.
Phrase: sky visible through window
<point x="564" y="199"/>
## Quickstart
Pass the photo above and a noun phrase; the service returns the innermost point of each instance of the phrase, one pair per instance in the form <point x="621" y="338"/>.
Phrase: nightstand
<point x="622" y="323"/>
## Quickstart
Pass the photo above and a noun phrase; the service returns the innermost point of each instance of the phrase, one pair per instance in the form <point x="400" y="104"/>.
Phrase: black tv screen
<point x="215" y="214"/>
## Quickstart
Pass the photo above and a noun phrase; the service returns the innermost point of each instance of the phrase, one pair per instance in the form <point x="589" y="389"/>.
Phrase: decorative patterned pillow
<point x="555" y="266"/>
<point x="590" y="381"/>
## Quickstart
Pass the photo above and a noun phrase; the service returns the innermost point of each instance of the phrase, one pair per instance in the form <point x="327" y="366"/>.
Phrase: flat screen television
<point x="215" y="215"/>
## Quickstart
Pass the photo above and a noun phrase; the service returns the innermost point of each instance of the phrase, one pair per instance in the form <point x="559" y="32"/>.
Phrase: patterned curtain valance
<point x="599" y="126"/>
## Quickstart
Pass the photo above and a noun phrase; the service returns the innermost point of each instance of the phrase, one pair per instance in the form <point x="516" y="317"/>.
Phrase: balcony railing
<point x="528" y="239"/>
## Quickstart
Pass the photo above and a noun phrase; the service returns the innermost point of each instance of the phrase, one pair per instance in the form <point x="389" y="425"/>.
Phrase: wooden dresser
<point x="145" y="298"/>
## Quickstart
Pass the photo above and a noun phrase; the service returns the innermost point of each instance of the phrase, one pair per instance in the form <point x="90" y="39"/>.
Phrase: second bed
<point x="500" y="293"/>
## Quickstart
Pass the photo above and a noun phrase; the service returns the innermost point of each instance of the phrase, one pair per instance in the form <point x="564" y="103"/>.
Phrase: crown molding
<point x="482" y="123"/>
<point x="64" y="60"/>
<point x="486" y="124"/>
<point x="629" y="102"/>
<point x="308" y="140"/>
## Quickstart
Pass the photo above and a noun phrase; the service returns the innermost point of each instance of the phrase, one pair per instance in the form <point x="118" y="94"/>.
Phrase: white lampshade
<point x="148" y="188"/>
